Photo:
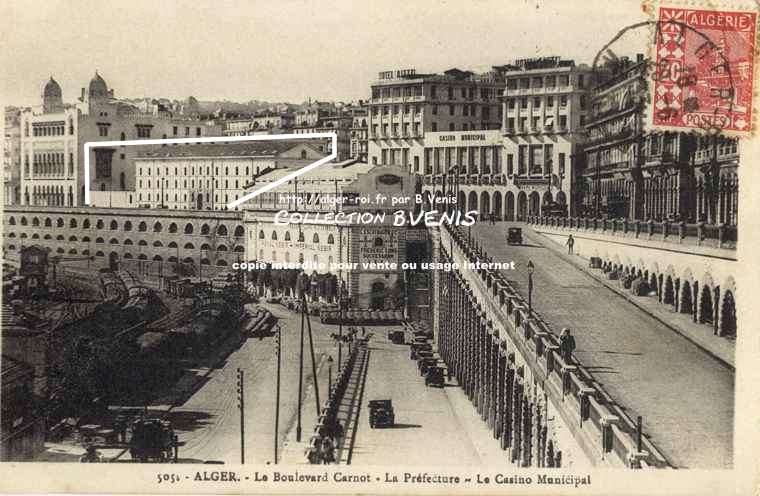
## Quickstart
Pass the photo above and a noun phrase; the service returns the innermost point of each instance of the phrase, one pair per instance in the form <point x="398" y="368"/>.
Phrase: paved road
<point x="434" y="426"/>
<point x="685" y="396"/>
<point x="209" y="421"/>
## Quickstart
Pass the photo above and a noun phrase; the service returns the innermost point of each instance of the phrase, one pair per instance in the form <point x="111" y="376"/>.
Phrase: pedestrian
<point x="566" y="345"/>
<point x="448" y="374"/>
<point x="570" y="243"/>
<point x="328" y="450"/>
<point x="92" y="455"/>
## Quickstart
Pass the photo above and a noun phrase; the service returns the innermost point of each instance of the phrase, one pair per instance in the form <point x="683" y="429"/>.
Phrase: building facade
<point x="354" y="251"/>
<point x="406" y="105"/>
<point x="636" y="174"/>
<point x="359" y="133"/>
<point x="211" y="176"/>
<point x="53" y="138"/>
<point x="546" y="105"/>
<point x="12" y="156"/>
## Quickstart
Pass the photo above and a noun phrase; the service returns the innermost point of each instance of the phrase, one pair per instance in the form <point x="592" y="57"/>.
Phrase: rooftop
<point x="268" y="148"/>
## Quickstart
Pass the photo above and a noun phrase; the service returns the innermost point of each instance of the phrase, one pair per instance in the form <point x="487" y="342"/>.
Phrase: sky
<point x="286" y="50"/>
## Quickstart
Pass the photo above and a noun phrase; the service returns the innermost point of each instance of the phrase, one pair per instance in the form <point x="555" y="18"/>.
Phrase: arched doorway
<point x="534" y="204"/>
<point x="497" y="205"/>
<point x="377" y="296"/>
<point x="728" y="316"/>
<point x="686" y="298"/>
<point x="522" y="205"/>
<point x="485" y="205"/>
<point x="668" y="294"/>
<point x="461" y="200"/>
<point x="706" y="306"/>
<point x="561" y="198"/>
<point x="113" y="261"/>
<point x="546" y="200"/>
<point x="472" y="201"/>
<point x="509" y="213"/>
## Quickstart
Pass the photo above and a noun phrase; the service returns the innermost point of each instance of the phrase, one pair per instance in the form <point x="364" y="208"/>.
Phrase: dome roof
<point x="98" y="86"/>
<point x="52" y="89"/>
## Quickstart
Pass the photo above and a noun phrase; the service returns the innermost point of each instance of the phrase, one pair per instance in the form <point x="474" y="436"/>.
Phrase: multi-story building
<point x="266" y="123"/>
<point x="210" y="176"/>
<point x="359" y="132"/>
<point x="637" y="174"/>
<point x="357" y="252"/>
<point x="546" y="104"/>
<point x="406" y="105"/>
<point x="12" y="156"/>
<point x="338" y="123"/>
<point x="53" y="138"/>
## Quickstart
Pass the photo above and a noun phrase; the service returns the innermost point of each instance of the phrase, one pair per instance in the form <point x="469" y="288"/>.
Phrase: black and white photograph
<point x="439" y="247"/>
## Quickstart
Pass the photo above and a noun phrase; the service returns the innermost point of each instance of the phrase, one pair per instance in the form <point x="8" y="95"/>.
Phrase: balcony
<point x="532" y="181"/>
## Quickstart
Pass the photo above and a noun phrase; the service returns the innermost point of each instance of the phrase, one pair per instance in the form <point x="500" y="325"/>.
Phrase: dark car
<point x="381" y="413"/>
<point x="396" y="337"/>
<point x="514" y="236"/>
<point x="426" y="363"/>
<point x="434" y="376"/>
<point x="421" y="350"/>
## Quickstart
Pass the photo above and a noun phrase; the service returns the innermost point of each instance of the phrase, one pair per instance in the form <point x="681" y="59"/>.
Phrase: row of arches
<point x="128" y="242"/>
<point x="301" y="237"/>
<point x="113" y="225"/>
<point x="506" y="206"/>
<point x="703" y="299"/>
<point x="114" y="256"/>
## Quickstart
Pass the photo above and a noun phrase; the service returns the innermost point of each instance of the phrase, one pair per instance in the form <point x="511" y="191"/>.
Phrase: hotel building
<point x="406" y="105"/>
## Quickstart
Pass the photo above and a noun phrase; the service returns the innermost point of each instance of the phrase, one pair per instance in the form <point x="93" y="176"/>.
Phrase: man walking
<point x="566" y="345"/>
<point x="570" y="243"/>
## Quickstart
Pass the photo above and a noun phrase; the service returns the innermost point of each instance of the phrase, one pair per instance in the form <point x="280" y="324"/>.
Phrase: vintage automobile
<point x="152" y="440"/>
<point x="514" y="236"/>
<point x="434" y="376"/>
<point x="381" y="413"/>
<point x="417" y="350"/>
<point x="425" y="363"/>
<point x="396" y="337"/>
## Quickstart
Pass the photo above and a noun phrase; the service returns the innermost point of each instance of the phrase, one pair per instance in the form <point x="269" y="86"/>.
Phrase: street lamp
<point x="329" y="375"/>
<point x="530" y="288"/>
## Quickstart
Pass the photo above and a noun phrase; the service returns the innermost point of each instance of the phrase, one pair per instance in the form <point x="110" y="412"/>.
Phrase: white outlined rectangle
<point x="218" y="139"/>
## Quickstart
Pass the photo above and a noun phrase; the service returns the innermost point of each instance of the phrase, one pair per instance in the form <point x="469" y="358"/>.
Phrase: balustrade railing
<point x="700" y="233"/>
<point x="601" y="419"/>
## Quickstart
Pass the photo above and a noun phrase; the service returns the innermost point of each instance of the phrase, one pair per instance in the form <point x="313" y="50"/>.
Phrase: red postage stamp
<point x="704" y="66"/>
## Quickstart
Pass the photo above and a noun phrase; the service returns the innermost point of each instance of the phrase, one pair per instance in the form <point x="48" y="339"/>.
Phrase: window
<point x="103" y="129"/>
<point x="536" y="102"/>
<point x="510" y="164"/>
<point x="143" y="131"/>
<point x="561" y="160"/>
<point x="451" y="109"/>
<point x="434" y="127"/>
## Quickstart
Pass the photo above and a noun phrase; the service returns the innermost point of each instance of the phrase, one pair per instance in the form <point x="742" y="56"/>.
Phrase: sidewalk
<point x="701" y="335"/>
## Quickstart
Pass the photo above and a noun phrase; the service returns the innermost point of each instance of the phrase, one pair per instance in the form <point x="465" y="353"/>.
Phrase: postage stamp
<point x="704" y="66"/>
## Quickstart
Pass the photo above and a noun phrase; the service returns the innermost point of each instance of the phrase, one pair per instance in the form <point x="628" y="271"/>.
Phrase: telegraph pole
<point x="300" y="374"/>
<point x="305" y="310"/>
<point x="241" y="407"/>
<point x="277" y="395"/>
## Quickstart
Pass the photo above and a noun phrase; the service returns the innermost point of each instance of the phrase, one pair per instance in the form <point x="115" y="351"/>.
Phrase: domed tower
<point x="98" y="89"/>
<point x="52" y="97"/>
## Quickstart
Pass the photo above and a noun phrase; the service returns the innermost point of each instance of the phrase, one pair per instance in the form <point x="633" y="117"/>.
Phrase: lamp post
<point x="329" y="375"/>
<point x="530" y="288"/>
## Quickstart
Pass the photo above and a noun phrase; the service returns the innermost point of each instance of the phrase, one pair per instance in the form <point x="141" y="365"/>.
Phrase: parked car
<point x="426" y="363"/>
<point x="396" y="337"/>
<point x="514" y="236"/>
<point x="417" y="351"/>
<point x="381" y="413"/>
<point x="434" y="376"/>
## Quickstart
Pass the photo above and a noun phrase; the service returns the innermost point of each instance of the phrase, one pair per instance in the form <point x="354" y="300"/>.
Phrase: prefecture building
<point x="210" y="176"/>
